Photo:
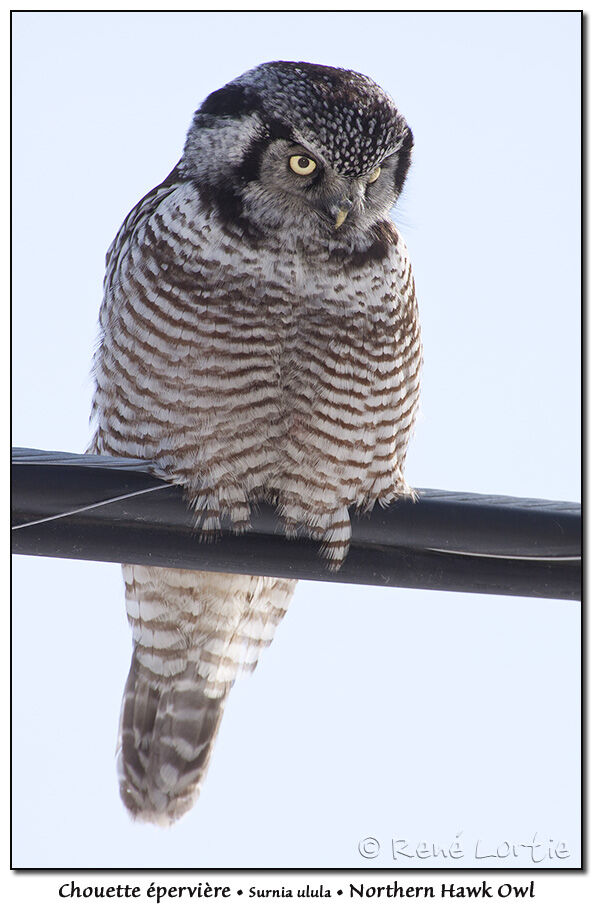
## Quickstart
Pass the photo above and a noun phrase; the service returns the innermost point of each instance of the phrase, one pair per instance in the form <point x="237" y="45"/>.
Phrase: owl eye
<point x="374" y="175"/>
<point x="302" y="165"/>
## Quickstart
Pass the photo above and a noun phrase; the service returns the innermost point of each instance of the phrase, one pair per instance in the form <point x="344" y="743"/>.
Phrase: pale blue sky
<point x="386" y="713"/>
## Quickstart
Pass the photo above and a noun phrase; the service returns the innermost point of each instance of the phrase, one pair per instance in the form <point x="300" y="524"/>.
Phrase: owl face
<point x="306" y="150"/>
<point x="297" y="181"/>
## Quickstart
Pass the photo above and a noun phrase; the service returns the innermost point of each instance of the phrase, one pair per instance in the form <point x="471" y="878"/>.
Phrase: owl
<point x="259" y="341"/>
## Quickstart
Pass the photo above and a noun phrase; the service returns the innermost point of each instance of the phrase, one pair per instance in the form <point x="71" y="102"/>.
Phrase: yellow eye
<point x="374" y="175"/>
<point x="302" y="165"/>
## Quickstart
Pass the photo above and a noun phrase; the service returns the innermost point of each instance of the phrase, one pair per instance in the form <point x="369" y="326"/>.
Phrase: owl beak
<point x="341" y="211"/>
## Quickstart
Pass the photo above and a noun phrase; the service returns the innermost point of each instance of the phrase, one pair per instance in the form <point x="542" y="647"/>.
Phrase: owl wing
<point x="133" y="220"/>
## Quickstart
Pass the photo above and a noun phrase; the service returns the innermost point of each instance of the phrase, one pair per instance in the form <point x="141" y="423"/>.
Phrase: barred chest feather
<point x="254" y="370"/>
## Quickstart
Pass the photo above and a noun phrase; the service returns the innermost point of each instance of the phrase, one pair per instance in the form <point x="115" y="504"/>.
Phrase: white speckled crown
<point x="344" y="112"/>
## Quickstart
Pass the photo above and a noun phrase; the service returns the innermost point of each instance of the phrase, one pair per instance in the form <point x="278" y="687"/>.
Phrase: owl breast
<point x="289" y="374"/>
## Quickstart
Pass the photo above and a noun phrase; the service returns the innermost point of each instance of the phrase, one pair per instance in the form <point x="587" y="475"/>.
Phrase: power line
<point x="115" y="509"/>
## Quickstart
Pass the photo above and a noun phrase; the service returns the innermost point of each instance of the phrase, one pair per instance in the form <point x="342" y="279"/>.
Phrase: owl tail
<point x="167" y="732"/>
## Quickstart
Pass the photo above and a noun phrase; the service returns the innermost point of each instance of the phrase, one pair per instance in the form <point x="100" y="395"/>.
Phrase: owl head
<point x="308" y="150"/>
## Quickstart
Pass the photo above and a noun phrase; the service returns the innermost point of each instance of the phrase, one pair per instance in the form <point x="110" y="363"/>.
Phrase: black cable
<point x="445" y="540"/>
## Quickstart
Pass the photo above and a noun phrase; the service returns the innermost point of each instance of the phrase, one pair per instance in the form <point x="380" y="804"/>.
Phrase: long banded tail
<point x="167" y="733"/>
<point x="194" y="633"/>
